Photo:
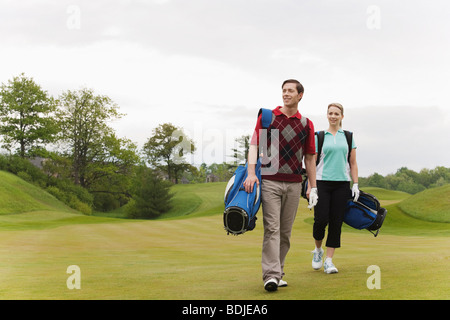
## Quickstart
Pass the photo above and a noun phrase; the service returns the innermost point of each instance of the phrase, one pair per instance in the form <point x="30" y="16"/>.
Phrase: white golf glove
<point x="355" y="192"/>
<point x="313" y="198"/>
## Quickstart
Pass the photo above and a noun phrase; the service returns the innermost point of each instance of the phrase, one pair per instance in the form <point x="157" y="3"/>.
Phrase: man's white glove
<point x="313" y="198"/>
<point x="355" y="192"/>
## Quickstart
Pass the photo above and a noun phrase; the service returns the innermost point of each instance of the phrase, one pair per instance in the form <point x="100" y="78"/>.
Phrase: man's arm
<point x="310" y="166"/>
<point x="308" y="189"/>
<point x="251" y="177"/>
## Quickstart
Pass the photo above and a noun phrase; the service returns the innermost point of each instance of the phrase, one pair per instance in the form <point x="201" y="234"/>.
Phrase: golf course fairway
<point x="190" y="256"/>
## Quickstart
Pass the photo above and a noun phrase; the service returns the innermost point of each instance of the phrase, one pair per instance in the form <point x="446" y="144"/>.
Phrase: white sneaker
<point x="271" y="285"/>
<point x="317" y="259"/>
<point x="329" y="267"/>
<point x="282" y="283"/>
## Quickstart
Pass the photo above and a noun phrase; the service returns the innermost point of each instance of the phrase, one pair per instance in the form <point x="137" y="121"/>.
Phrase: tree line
<point x="83" y="161"/>
<point x="85" y="164"/>
<point x="409" y="181"/>
<point x="66" y="145"/>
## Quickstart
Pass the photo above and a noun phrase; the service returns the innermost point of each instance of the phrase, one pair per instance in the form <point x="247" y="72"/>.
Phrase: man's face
<point x="290" y="95"/>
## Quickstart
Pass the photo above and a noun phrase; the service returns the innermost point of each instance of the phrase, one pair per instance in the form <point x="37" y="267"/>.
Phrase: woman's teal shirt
<point x="333" y="164"/>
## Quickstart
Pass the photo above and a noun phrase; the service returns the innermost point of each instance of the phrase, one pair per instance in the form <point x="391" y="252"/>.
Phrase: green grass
<point x="430" y="205"/>
<point x="189" y="256"/>
<point x="189" y="201"/>
<point x="18" y="196"/>
<point x="24" y="206"/>
<point x="196" y="200"/>
<point x="386" y="195"/>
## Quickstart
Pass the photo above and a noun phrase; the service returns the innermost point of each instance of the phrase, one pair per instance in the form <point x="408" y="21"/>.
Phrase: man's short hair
<point x="299" y="86"/>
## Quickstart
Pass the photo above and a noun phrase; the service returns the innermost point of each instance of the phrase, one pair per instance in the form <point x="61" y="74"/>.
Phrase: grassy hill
<point x="429" y="205"/>
<point x="197" y="200"/>
<point x="186" y="254"/>
<point x="19" y="196"/>
<point x="25" y="206"/>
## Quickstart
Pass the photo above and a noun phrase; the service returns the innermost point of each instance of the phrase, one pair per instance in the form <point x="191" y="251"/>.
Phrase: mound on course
<point x="429" y="205"/>
<point x="19" y="196"/>
<point x="25" y="206"/>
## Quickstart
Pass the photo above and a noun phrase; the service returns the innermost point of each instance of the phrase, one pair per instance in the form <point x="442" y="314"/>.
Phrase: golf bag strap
<point x="266" y="117"/>
<point x="320" y="137"/>
<point x="349" y="137"/>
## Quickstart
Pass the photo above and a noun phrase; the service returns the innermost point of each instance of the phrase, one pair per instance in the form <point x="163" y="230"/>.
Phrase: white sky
<point x="208" y="66"/>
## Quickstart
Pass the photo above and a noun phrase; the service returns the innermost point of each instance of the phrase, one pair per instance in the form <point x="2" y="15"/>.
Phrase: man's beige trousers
<point x="279" y="204"/>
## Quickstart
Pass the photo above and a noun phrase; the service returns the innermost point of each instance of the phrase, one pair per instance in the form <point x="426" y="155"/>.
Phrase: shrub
<point x="76" y="204"/>
<point x="24" y="176"/>
<point x="151" y="196"/>
<point x="58" y="194"/>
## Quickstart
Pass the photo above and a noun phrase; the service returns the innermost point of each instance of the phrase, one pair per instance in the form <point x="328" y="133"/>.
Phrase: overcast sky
<point x="208" y="66"/>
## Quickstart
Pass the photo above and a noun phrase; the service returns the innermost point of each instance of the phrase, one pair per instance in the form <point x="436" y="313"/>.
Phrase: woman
<point x="334" y="170"/>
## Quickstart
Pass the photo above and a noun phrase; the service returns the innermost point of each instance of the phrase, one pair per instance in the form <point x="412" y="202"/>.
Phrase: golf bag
<point x="365" y="213"/>
<point x="241" y="207"/>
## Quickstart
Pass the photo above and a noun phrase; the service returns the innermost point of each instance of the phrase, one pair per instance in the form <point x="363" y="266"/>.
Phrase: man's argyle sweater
<point x="283" y="145"/>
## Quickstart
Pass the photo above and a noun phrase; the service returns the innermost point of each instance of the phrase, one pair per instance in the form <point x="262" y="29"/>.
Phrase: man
<point x="290" y="137"/>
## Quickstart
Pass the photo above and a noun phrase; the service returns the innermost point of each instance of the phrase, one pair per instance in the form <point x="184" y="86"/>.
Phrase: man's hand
<point x="250" y="182"/>
<point x="251" y="176"/>
<point x="308" y="190"/>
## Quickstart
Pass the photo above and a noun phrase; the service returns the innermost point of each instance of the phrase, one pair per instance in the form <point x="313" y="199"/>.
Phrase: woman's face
<point x="334" y="116"/>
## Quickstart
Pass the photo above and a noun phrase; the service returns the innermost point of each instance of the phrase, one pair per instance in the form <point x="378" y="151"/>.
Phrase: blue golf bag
<point x="241" y="207"/>
<point x="365" y="213"/>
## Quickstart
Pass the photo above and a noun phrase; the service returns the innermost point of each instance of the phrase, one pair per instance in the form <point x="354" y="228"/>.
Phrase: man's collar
<point x="278" y="112"/>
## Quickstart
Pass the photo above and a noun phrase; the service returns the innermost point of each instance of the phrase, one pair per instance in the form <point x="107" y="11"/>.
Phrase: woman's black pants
<point x="330" y="210"/>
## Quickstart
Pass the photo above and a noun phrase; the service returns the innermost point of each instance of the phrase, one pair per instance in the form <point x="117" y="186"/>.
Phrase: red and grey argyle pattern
<point x="284" y="149"/>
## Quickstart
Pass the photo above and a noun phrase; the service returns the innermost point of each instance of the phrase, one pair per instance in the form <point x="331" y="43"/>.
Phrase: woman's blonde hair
<point x="340" y="107"/>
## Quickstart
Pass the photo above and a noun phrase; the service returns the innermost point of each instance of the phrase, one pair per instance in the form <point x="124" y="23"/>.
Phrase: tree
<point x="409" y="181"/>
<point x="83" y="117"/>
<point x="151" y="195"/>
<point x="376" y="180"/>
<point x="26" y="116"/>
<point x="108" y="175"/>
<point x="100" y="161"/>
<point x="223" y="171"/>
<point x="165" y="150"/>
<point x="241" y="152"/>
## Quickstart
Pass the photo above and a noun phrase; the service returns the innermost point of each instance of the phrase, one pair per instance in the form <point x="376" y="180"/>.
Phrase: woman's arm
<point x="353" y="166"/>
